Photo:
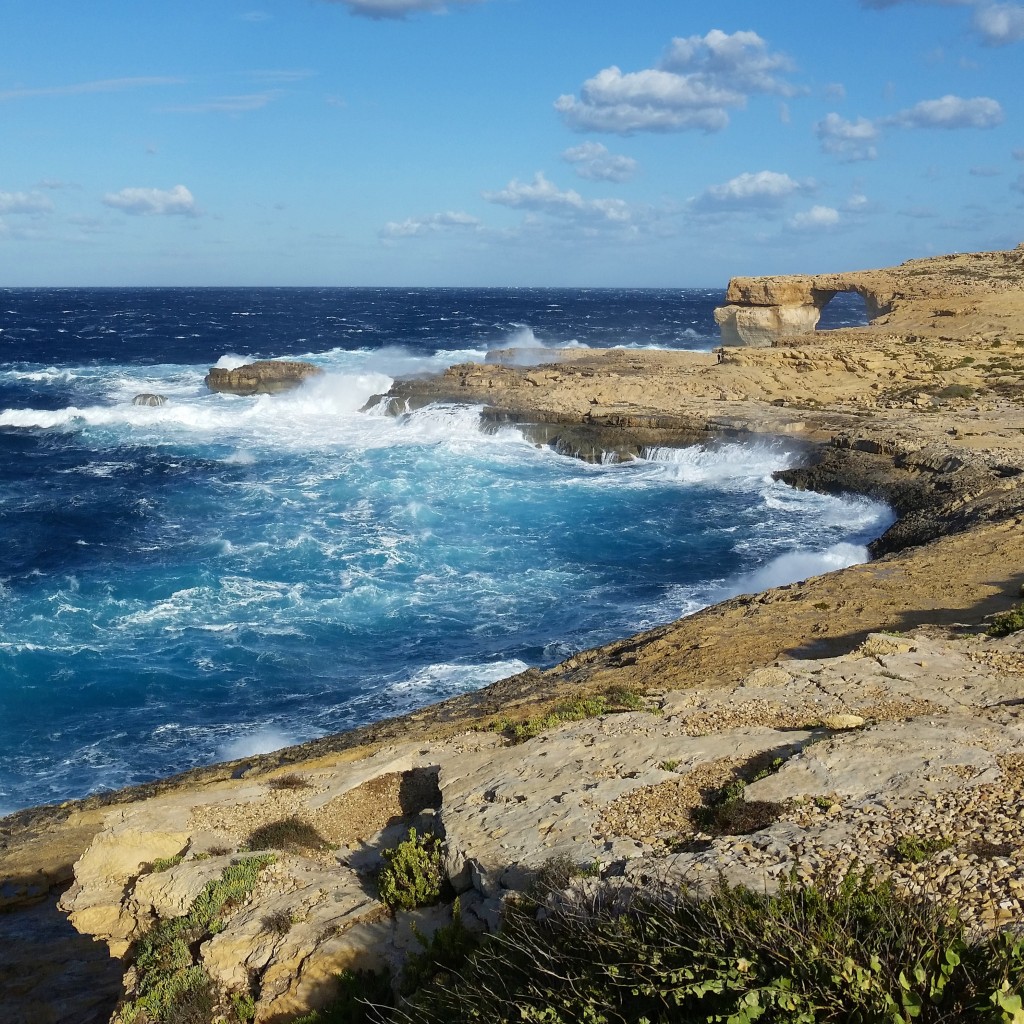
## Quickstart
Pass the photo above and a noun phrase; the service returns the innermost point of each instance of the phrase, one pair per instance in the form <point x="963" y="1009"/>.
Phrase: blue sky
<point x="502" y="142"/>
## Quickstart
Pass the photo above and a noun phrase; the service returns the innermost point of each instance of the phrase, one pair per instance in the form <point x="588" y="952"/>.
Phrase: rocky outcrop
<point x="764" y="311"/>
<point x="148" y="399"/>
<point x="265" y="377"/>
<point x="905" y="736"/>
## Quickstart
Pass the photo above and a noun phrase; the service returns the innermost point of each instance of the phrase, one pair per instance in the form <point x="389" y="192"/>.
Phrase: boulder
<point x="147" y="399"/>
<point x="265" y="377"/>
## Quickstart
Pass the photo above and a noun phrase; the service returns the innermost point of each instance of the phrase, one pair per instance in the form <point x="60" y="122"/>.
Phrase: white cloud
<point x="950" y="112"/>
<point x="84" y="88"/>
<point x="428" y="225"/>
<point x="544" y="196"/>
<point x="1000" y="24"/>
<point x="695" y="85"/>
<point x="593" y="161"/>
<point x="849" y="140"/>
<point x="816" y="218"/>
<point x="751" y="191"/>
<point x="24" y="202"/>
<point x="147" y="201"/>
<point x="378" y="9"/>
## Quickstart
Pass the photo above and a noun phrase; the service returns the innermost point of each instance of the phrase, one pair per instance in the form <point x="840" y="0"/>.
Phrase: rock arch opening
<point x="848" y="308"/>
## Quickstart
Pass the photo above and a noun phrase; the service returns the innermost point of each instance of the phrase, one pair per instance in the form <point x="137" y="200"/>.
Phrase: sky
<point x="590" y="143"/>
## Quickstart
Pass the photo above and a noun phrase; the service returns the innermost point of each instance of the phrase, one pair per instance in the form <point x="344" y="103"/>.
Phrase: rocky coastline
<point x="876" y="687"/>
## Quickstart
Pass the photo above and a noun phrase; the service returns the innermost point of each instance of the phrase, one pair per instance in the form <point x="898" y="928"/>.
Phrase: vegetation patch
<point x="441" y="956"/>
<point x="165" y="863"/>
<point x="362" y="996"/>
<point x="291" y="781"/>
<point x="291" y="834"/>
<point x="845" y="950"/>
<point x="1005" y="623"/>
<point x="171" y="988"/>
<point x="576" y="709"/>
<point x="917" y="849"/>
<point x="413" y="873"/>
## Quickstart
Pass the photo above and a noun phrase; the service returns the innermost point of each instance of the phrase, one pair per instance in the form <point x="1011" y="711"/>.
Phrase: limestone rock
<point x="265" y="377"/>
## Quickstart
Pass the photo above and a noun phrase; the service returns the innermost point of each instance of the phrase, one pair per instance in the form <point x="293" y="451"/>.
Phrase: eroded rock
<point x="265" y="377"/>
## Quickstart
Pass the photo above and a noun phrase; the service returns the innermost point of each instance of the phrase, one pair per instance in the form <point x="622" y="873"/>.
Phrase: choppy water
<point x="223" y="575"/>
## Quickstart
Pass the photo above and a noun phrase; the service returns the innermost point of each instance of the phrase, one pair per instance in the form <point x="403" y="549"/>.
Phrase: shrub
<point x="166" y="863"/>
<point x="290" y="781"/>
<point x="412" y="875"/>
<point x="1005" y="623"/>
<point x="291" y="834"/>
<point x="726" y="812"/>
<point x="358" y="993"/>
<point x="442" y="955"/>
<point x="915" y="850"/>
<point x="956" y="391"/>
<point x="846" y="950"/>
<point x="170" y="987"/>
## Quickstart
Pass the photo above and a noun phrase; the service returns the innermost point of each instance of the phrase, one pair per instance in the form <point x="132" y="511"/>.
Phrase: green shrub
<point x="359" y="992"/>
<point x="413" y="874"/>
<point x="291" y="834"/>
<point x="576" y="709"/>
<point x="956" y="391"/>
<point x="915" y="850"/>
<point x="171" y="988"/>
<point x="166" y="863"/>
<point x="1005" y="623"/>
<point x="442" y="955"/>
<point x="847" y="950"/>
<point x="726" y="811"/>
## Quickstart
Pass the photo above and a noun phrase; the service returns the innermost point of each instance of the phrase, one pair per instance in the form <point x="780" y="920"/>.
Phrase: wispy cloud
<point x="227" y="104"/>
<point x="85" y="88"/>
<point x="176" y="201"/>
<point x="282" y="76"/>
<point x="693" y="87"/>
<point x="593" y="161"/>
<point x="24" y="202"/>
<point x="432" y="224"/>
<point x="998" y="24"/>
<point x="544" y="196"/>
<point x="380" y="9"/>
<point x="849" y="140"/>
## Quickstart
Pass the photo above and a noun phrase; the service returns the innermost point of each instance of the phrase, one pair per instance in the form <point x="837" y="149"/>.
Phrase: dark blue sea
<point x="222" y="576"/>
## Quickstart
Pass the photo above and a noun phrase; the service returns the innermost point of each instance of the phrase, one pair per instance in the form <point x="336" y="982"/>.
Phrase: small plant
<point x="413" y="874"/>
<point x="671" y="765"/>
<point x="244" y="1007"/>
<point x="291" y="781"/>
<point x="915" y="850"/>
<point x="725" y="812"/>
<point x="556" y="873"/>
<point x="821" y="606"/>
<point x="166" y="863"/>
<point x="956" y="391"/>
<point x="279" y="922"/>
<point x="291" y="834"/>
<point x="1005" y="623"/>
<point x="576" y="709"/>
<point x="442" y="955"/>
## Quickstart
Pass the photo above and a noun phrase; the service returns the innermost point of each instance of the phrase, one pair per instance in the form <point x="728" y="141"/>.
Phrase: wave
<point x="795" y="566"/>
<point x="736" y="463"/>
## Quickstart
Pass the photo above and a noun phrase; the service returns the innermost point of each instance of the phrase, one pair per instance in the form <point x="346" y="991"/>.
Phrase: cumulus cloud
<point x="814" y="219"/>
<point x="544" y="196"/>
<point x="760" y="190"/>
<point x="379" y="9"/>
<point x="413" y="226"/>
<point x="154" y="201"/>
<point x="24" y="202"/>
<point x="694" y="86"/>
<point x="849" y="140"/>
<point x="594" y="162"/>
<point x="950" y="112"/>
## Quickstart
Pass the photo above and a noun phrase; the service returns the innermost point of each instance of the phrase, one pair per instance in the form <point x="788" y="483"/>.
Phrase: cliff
<point x="609" y="758"/>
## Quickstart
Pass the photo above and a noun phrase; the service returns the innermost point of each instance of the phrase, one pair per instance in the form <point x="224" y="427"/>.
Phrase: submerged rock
<point x="265" y="377"/>
<point x="147" y="399"/>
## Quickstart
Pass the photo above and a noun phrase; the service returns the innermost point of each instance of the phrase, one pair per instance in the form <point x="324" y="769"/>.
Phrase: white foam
<point x="721" y="464"/>
<point x="794" y="566"/>
<point x="262" y="741"/>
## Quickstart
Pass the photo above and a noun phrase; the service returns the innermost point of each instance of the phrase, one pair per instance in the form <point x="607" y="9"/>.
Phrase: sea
<point x="223" y="576"/>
